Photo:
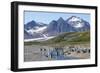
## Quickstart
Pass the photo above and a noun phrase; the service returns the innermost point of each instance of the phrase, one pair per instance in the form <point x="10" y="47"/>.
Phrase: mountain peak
<point x="74" y="18"/>
<point x="32" y="22"/>
<point x="60" y="19"/>
<point x="53" y="21"/>
<point x="76" y="22"/>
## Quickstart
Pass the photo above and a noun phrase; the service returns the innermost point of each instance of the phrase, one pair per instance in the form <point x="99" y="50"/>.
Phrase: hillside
<point x="65" y="38"/>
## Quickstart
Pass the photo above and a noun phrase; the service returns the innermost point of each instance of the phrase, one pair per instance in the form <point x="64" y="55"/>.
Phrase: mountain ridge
<point x="56" y="27"/>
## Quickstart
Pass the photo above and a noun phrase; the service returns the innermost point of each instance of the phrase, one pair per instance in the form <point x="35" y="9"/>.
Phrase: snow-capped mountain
<point x="40" y="31"/>
<point x="34" y="29"/>
<point x="72" y="24"/>
<point x="75" y="22"/>
<point x="78" y="24"/>
<point x="33" y="25"/>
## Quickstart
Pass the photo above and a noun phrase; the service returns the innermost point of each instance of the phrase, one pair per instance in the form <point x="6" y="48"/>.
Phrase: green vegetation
<point x="65" y="38"/>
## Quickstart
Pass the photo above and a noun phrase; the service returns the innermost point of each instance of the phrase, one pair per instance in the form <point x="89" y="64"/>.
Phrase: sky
<point x="47" y="17"/>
